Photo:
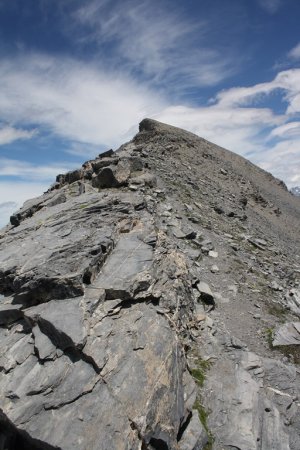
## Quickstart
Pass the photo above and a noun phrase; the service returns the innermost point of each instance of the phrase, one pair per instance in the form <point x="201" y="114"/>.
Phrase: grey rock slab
<point x="12" y="381"/>
<point x="44" y="346"/>
<point x="62" y="321"/>
<point x="273" y="434"/>
<point x="28" y="209"/>
<point x="235" y="406"/>
<point x="60" y="197"/>
<point x="281" y="376"/>
<point x="86" y="424"/>
<point x="15" y="349"/>
<point x="130" y="257"/>
<point x="37" y="378"/>
<point x="52" y="253"/>
<point x="79" y="378"/>
<point x="113" y="176"/>
<point x="290" y="409"/>
<point x="250" y="361"/>
<point x="190" y="391"/>
<point x="46" y="386"/>
<point x="9" y="313"/>
<point x="142" y="365"/>
<point x="195" y="436"/>
<point x="242" y="416"/>
<point x="287" y="334"/>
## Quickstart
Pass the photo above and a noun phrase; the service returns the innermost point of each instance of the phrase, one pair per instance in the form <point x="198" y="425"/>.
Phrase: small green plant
<point x="199" y="372"/>
<point x="278" y="311"/>
<point x="291" y="351"/>
<point x="269" y="336"/>
<point x="199" y="376"/>
<point x="203" y="416"/>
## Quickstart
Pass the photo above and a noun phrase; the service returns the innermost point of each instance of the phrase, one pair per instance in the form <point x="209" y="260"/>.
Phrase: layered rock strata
<point x="125" y="319"/>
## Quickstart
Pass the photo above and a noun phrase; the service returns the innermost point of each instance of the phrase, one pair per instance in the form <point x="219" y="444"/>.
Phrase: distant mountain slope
<point x="296" y="191"/>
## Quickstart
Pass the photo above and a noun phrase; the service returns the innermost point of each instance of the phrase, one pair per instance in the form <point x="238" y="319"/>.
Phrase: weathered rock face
<point x="118" y="331"/>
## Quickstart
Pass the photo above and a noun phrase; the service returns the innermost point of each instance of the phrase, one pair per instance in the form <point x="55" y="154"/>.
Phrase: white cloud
<point x="283" y="160"/>
<point x="84" y="150"/>
<point x="295" y="53"/>
<point x="271" y="6"/>
<point x="25" y="170"/>
<point x="165" y="46"/>
<point x="287" y="131"/>
<point x="10" y="134"/>
<point x="93" y="109"/>
<point x="13" y="195"/>
<point x="287" y="81"/>
<point x="80" y="102"/>
<point x="230" y="127"/>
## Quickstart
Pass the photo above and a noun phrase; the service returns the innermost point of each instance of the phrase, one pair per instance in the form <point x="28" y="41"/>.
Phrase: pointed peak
<point x="148" y="124"/>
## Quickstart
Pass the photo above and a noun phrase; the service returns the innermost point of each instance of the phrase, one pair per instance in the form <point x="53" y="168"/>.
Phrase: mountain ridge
<point x="151" y="301"/>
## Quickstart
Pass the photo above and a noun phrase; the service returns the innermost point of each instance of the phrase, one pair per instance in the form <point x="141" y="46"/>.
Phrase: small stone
<point x="223" y="171"/>
<point x="206" y="293"/>
<point x="275" y="286"/>
<point x="214" y="269"/>
<point x="178" y="233"/>
<point x="213" y="254"/>
<point x="219" y="210"/>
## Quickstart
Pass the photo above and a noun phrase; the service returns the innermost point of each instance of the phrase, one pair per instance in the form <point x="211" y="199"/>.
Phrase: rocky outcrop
<point x="137" y="314"/>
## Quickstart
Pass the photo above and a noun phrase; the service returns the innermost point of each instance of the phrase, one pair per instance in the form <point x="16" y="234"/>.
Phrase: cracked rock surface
<point x="150" y="300"/>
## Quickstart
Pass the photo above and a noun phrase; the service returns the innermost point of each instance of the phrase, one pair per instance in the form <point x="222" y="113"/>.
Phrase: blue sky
<point x="77" y="76"/>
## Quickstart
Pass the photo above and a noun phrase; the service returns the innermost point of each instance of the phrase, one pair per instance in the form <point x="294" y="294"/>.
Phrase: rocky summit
<point x="151" y="300"/>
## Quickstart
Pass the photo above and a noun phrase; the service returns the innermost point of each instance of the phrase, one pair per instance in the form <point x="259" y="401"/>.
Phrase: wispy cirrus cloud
<point x="91" y="108"/>
<point x="151" y="40"/>
<point x="235" y="128"/>
<point x="82" y="103"/>
<point x="289" y="130"/>
<point x="33" y="172"/>
<point x="287" y="81"/>
<point x="294" y="53"/>
<point x="283" y="158"/>
<point x="9" y="134"/>
<point x="270" y="6"/>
